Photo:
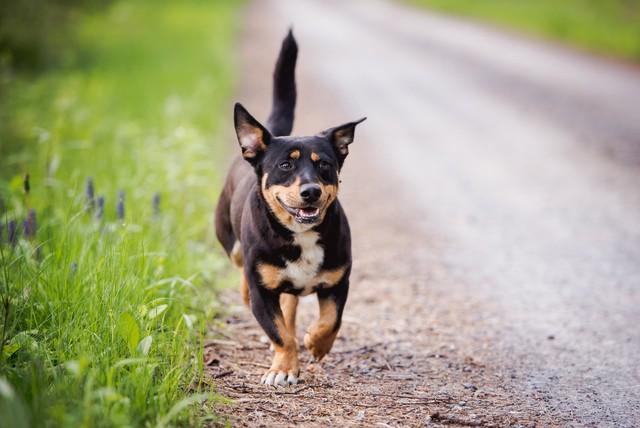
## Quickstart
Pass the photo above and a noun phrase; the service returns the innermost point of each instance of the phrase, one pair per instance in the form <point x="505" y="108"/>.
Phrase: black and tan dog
<point x="279" y="220"/>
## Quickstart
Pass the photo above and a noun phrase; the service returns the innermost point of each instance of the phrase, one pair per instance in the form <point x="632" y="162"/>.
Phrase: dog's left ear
<point x="341" y="136"/>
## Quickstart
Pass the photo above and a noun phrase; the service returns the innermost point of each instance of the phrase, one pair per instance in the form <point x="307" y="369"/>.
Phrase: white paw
<point x="279" y="378"/>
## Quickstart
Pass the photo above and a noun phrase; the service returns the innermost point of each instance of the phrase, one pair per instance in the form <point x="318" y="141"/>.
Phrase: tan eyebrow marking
<point x="315" y="157"/>
<point x="294" y="154"/>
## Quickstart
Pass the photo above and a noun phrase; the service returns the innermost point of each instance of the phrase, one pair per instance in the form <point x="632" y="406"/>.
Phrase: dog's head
<point x="298" y="175"/>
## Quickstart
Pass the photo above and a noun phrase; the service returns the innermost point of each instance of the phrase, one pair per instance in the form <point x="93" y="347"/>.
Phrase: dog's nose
<point x="310" y="192"/>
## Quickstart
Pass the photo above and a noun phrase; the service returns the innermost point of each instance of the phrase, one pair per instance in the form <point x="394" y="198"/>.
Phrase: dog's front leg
<point x="321" y="334"/>
<point x="285" y="368"/>
<point x="289" y="307"/>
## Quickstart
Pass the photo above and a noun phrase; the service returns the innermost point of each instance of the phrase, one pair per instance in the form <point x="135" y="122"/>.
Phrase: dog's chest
<point x="303" y="272"/>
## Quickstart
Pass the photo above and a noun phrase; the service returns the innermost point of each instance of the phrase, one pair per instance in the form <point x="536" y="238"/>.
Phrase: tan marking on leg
<point x="236" y="254"/>
<point x="294" y="154"/>
<point x="329" y="278"/>
<point x="285" y="367"/>
<point x="315" y="157"/>
<point x="237" y="259"/>
<point x="244" y="289"/>
<point x="286" y="357"/>
<point x="271" y="275"/>
<point x="320" y="336"/>
<point x="289" y="306"/>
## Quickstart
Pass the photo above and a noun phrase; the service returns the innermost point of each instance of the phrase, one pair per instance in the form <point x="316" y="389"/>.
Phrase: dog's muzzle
<point x="304" y="215"/>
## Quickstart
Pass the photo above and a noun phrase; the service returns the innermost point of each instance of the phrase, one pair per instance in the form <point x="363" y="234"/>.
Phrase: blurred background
<point x="499" y="168"/>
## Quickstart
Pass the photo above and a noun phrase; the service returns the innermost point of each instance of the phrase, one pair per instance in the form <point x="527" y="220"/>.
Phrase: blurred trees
<point x="38" y="33"/>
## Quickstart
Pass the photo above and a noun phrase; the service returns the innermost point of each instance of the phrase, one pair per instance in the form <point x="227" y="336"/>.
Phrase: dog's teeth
<point x="307" y="212"/>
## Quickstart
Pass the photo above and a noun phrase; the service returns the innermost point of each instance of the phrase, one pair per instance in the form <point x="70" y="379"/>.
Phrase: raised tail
<point x="280" y="121"/>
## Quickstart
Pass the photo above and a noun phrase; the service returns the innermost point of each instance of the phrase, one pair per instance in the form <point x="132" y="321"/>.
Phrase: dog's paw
<point x="318" y="345"/>
<point x="280" y="378"/>
<point x="285" y="368"/>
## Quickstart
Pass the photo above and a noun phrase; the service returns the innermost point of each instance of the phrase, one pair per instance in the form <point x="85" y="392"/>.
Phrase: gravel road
<point x="494" y="196"/>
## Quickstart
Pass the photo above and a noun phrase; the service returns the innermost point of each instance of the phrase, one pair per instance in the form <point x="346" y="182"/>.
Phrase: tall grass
<point x="103" y="309"/>
<point x="605" y="26"/>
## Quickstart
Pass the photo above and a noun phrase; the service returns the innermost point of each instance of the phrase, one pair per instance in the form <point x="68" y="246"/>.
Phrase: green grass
<point x="606" y="26"/>
<point x="103" y="320"/>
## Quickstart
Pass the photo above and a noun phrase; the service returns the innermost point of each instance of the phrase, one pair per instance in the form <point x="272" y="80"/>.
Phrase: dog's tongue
<point x="308" y="212"/>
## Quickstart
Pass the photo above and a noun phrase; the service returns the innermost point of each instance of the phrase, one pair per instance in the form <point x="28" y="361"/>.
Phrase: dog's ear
<point x="252" y="136"/>
<point x="341" y="136"/>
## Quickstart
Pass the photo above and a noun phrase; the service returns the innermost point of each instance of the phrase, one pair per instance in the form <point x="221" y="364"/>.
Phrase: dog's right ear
<point x="252" y="136"/>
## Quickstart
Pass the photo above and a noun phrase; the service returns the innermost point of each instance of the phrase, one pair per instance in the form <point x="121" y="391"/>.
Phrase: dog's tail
<point x="280" y="121"/>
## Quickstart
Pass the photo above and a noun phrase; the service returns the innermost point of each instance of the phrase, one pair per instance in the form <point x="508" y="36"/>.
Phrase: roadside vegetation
<point x="605" y="26"/>
<point x="109" y="165"/>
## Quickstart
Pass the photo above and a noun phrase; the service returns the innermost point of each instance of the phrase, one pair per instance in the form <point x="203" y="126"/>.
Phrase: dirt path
<point x="413" y="348"/>
<point x="494" y="212"/>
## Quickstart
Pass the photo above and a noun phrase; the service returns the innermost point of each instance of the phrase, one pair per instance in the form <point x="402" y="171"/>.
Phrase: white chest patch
<point x="302" y="272"/>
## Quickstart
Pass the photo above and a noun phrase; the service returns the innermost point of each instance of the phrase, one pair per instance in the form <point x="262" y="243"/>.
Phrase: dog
<point x="279" y="220"/>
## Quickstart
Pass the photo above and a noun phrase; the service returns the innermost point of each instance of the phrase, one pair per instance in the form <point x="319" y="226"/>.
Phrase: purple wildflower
<point x="90" y="194"/>
<point x="13" y="232"/>
<point x="120" y="207"/>
<point x="100" y="210"/>
<point x="30" y="225"/>
<point x="155" y="202"/>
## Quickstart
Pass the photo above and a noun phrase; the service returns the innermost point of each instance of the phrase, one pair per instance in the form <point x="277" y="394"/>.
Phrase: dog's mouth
<point x="305" y="215"/>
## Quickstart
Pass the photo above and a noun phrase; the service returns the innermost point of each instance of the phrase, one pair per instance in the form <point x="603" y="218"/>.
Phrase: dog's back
<point x="241" y="179"/>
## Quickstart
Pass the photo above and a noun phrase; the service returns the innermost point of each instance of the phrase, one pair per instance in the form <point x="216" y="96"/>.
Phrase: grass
<point x="102" y="318"/>
<point x="605" y="26"/>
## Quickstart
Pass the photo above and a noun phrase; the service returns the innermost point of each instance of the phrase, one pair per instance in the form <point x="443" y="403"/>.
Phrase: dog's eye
<point x="324" y="165"/>
<point x="286" y="165"/>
